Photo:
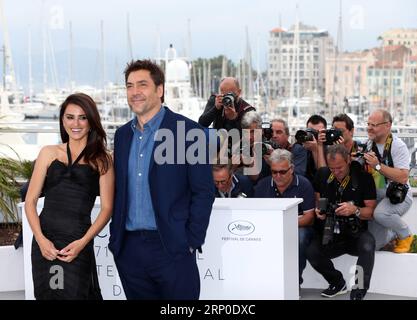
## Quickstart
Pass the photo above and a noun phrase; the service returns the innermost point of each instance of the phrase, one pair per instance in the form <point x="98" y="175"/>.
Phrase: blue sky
<point x="217" y="27"/>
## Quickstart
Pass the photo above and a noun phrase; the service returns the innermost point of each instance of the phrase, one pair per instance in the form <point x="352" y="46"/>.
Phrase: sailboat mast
<point x="71" y="58"/>
<point x="188" y="49"/>
<point x="103" y="60"/>
<point x="44" y="53"/>
<point x="30" y="65"/>
<point x="224" y="67"/>
<point x="248" y="66"/>
<point x="258" y="74"/>
<point x="7" y="52"/>
<point x="129" y="38"/>
<point x="336" y="100"/>
<point x="294" y="68"/>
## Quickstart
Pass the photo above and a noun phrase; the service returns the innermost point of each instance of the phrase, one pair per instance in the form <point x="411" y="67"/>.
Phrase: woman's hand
<point x="71" y="251"/>
<point x="48" y="250"/>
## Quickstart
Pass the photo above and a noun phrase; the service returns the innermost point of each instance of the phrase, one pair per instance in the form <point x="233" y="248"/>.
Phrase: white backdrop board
<point x="251" y="252"/>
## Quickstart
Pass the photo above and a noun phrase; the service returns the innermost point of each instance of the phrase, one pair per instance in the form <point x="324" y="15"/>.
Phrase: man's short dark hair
<point x="156" y="72"/>
<point x="218" y="167"/>
<point x="343" y="117"/>
<point x="316" y="119"/>
<point x="335" y="149"/>
<point x="284" y="123"/>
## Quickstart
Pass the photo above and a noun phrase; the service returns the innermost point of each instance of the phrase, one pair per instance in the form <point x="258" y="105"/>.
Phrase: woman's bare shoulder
<point x="50" y="152"/>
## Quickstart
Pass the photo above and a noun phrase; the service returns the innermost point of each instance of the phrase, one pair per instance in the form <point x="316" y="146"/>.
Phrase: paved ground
<point x="314" y="294"/>
<point x="306" y="294"/>
<point x="12" y="295"/>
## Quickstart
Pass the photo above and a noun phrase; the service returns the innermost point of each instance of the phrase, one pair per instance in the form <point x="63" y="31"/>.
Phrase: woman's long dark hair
<point x="95" y="151"/>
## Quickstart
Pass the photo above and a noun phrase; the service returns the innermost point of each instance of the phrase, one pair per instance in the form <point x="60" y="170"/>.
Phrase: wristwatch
<point x="378" y="167"/>
<point x="358" y="212"/>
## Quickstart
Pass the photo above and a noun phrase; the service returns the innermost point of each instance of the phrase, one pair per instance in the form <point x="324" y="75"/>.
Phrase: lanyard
<point x="387" y="149"/>
<point x="342" y="186"/>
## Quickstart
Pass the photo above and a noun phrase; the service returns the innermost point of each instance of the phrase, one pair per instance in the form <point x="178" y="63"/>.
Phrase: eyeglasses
<point x="374" y="125"/>
<point x="281" y="172"/>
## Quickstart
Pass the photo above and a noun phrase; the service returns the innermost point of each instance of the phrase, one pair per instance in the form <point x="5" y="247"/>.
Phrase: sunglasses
<point x="281" y="172"/>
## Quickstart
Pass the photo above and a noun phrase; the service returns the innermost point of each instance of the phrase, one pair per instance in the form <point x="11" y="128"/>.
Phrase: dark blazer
<point x="182" y="194"/>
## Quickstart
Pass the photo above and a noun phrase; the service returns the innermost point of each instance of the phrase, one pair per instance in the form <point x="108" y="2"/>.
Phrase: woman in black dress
<point x="63" y="261"/>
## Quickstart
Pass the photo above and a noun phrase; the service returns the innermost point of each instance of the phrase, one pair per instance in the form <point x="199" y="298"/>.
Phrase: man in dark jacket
<point x="225" y="110"/>
<point x="229" y="185"/>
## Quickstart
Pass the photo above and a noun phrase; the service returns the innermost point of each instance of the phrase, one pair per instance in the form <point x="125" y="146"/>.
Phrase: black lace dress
<point x="70" y="191"/>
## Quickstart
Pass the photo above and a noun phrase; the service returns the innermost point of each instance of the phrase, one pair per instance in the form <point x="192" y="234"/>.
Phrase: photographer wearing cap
<point x="225" y="110"/>
<point x="229" y="185"/>
<point x="284" y="183"/>
<point x="346" y="198"/>
<point x="388" y="160"/>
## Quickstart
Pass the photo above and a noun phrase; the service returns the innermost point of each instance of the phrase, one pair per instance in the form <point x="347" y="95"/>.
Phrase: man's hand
<point x="218" y="102"/>
<point x="322" y="137"/>
<point x="345" y="209"/>
<point x="310" y="145"/>
<point x="319" y="215"/>
<point x="230" y="113"/>
<point x="371" y="159"/>
<point x="341" y="140"/>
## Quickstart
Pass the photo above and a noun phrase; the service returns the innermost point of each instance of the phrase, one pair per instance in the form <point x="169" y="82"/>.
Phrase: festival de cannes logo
<point x="241" y="228"/>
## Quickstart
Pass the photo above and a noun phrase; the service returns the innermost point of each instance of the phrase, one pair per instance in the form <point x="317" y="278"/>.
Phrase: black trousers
<point x="361" y="245"/>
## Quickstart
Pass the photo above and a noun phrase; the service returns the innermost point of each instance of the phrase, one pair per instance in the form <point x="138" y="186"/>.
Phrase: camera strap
<point x="342" y="185"/>
<point x="386" y="157"/>
<point x="355" y="147"/>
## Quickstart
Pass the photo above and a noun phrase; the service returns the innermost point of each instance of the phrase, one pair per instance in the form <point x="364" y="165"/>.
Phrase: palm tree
<point x="10" y="171"/>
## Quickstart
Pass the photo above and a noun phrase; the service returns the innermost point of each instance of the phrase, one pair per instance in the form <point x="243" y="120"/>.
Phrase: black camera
<point x="330" y="210"/>
<point x="268" y="145"/>
<point x="358" y="156"/>
<point x="332" y="135"/>
<point x="266" y="130"/>
<point x="358" y="159"/>
<point x="229" y="99"/>
<point x="396" y="192"/>
<point x="308" y="134"/>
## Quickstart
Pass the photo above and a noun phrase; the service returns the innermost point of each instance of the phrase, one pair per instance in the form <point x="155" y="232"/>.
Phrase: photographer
<point x="388" y="160"/>
<point x="252" y="121"/>
<point x="315" y="139"/>
<point x="285" y="184"/>
<point x="345" y="124"/>
<point x="280" y="136"/>
<point x="229" y="185"/>
<point x="225" y="110"/>
<point x="315" y="147"/>
<point x="350" y="195"/>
